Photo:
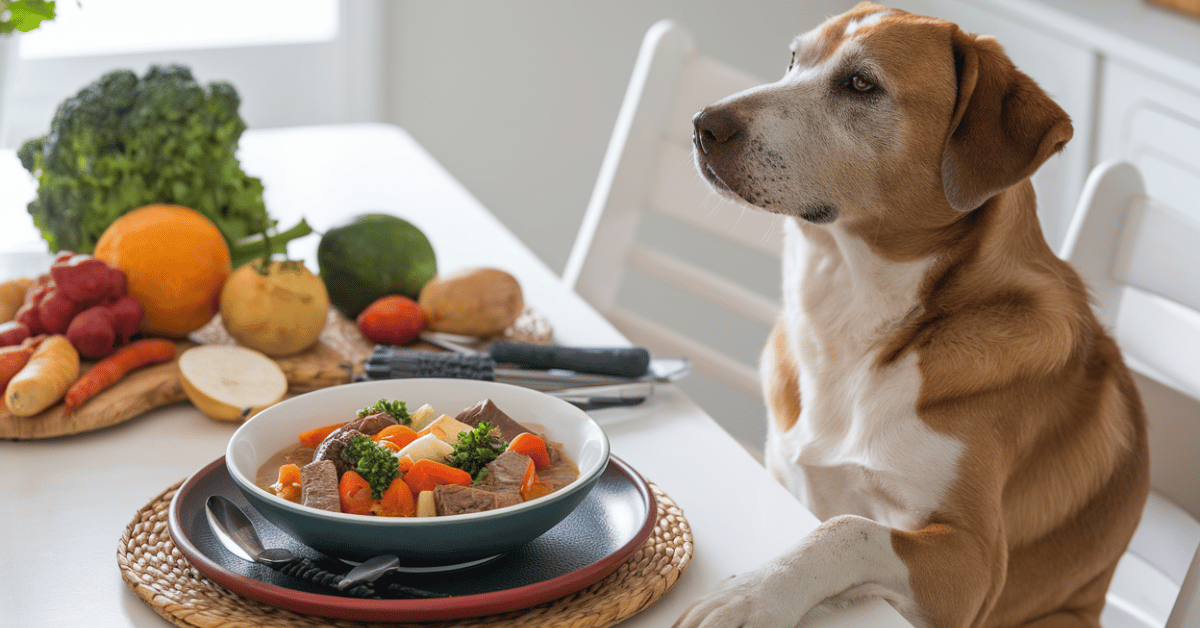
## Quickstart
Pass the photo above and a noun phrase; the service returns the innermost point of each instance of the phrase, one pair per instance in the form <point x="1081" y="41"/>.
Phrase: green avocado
<point x="373" y="256"/>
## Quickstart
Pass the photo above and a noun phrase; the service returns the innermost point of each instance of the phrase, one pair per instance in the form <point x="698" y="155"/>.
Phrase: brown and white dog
<point x="940" y="394"/>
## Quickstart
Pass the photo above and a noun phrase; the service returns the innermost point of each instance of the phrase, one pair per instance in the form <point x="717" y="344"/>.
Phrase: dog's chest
<point x="859" y="446"/>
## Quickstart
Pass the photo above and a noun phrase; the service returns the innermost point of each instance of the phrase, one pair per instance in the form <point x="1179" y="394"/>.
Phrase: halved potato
<point x="230" y="383"/>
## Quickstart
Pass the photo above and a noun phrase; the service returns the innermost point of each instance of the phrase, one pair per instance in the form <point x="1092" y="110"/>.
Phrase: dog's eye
<point x="792" y="63"/>
<point x="861" y="84"/>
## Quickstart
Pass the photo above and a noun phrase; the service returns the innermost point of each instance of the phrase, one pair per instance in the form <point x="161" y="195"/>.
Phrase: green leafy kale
<point x="123" y="142"/>
<point x="375" y="464"/>
<point x="475" y="448"/>
<point x="396" y="409"/>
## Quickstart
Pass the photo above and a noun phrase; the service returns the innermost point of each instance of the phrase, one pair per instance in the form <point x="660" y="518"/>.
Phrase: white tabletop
<point x="66" y="501"/>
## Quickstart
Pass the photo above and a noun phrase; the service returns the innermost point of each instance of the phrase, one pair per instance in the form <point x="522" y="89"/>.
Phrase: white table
<point x="66" y="501"/>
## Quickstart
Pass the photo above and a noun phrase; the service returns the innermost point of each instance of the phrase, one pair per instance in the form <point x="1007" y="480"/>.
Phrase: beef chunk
<point x="486" y="410"/>
<point x="331" y="448"/>
<point x="453" y="499"/>
<point x="371" y="424"/>
<point x="506" y="472"/>
<point x="319" y="486"/>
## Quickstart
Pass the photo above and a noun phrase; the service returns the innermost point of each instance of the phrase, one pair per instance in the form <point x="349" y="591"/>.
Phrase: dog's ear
<point x="1004" y="126"/>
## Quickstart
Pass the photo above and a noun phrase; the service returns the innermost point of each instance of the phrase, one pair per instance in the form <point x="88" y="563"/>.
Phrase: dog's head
<point x="882" y="115"/>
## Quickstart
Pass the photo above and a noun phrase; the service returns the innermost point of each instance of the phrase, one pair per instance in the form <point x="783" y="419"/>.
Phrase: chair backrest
<point x="654" y="228"/>
<point x="1141" y="257"/>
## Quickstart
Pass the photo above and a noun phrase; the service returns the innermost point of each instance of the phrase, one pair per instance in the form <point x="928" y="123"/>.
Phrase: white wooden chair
<point x="670" y="264"/>
<point x="1141" y="258"/>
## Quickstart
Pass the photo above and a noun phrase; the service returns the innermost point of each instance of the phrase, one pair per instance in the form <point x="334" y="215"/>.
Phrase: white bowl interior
<point x="268" y="432"/>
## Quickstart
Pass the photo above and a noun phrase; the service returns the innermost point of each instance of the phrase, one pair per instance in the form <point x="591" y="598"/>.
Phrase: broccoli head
<point x="123" y="142"/>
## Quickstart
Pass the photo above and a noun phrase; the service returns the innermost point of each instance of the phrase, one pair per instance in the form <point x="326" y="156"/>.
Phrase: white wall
<point x="518" y="98"/>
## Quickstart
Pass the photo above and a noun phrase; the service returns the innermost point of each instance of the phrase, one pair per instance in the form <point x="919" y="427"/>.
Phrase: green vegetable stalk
<point x="375" y="464"/>
<point x="124" y="142"/>
<point x="476" y="448"/>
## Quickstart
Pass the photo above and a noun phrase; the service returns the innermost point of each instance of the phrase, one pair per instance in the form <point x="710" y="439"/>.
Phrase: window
<point x="106" y="27"/>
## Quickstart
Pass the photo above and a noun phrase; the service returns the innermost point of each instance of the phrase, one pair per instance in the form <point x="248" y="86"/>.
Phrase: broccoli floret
<point x="396" y="409"/>
<point x="375" y="464"/>
<point x="124" y="142"/>
<point x="475" y="448"/>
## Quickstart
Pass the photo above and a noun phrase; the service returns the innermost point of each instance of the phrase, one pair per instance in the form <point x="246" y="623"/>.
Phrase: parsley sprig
<point x="476" y="448"/>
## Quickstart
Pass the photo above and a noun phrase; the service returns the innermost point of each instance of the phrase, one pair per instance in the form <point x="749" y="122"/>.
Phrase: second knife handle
<point x="619" y="361"/>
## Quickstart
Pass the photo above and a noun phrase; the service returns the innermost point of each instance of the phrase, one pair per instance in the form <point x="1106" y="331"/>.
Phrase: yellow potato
<point x="479" y="302"/>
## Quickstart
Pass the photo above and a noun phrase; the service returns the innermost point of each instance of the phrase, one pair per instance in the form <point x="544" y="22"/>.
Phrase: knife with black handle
<point x="617" y="361"/>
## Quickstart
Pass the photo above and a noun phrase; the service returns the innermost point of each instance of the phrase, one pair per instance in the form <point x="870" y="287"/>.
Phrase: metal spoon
<point x="235" y="531"/>
<point x="369" y="570"/>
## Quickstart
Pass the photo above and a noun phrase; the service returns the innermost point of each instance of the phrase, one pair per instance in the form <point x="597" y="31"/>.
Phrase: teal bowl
<point x="418" y="541"/>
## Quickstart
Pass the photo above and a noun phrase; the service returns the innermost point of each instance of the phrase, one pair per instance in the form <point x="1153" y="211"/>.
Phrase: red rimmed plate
<point x="611" y="523"/>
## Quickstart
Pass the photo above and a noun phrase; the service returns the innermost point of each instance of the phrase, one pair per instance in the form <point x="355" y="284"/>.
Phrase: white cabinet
<point x="1153" y="122"/>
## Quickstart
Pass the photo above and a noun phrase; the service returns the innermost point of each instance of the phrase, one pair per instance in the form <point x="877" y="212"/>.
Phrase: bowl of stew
<point x="507" y="501"/>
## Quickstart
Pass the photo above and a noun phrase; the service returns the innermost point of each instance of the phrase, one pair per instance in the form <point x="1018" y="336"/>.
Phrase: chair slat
<point x="1160" y="252"/>
<point x="706" y="285"/>
<point x="1160" y="339"/>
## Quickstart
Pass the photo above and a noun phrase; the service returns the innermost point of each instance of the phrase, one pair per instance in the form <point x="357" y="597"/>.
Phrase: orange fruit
<point x="175" y="262"/>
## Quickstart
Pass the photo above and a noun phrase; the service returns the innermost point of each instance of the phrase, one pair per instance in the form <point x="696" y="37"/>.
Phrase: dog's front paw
<point x="750" y="600"/>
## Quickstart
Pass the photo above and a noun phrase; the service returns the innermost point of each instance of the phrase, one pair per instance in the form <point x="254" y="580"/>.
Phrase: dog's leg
<point x="850" y="557"/>
<point x="845" y="556"/>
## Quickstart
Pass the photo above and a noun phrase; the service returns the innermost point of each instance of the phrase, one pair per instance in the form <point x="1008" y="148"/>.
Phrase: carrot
<point x="537" y="489"/>
<point x="397" y="501"/>
<point x="426" y="474"/>
<point x="44" y="379"/>
<point x="313" y="437"/>
<point x="12" y="360"/>
<point x="288" y="486"/>
<point x="529" y="480"/>
<point x="399" y="435"/>
<point x="111" y="369"/>
<point x="355" y="494"/>
<point x="532" y="446"/>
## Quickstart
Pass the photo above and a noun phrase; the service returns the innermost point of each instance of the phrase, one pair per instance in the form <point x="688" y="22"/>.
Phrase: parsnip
<point x="427" y="447"/>
<point x="425" y="505"/>
<point x="51" y="370"/>
<point x="421" y="417"/>
<point x="446" y="428"/>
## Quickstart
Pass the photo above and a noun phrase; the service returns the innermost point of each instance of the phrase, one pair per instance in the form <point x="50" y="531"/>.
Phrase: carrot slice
<point x="313" y="437"/>
<point x="533" y="446"/>
<point x="397" y="501"/>
<point x="288" y="486"/>
<point x="426" y="474"/>
<point x="537" y="489"/>
<point x="355" y="494"/>
<point x="397" y="434"/>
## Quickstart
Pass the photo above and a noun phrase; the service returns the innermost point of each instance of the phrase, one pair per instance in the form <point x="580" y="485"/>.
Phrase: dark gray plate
<point x="611" y="523"/>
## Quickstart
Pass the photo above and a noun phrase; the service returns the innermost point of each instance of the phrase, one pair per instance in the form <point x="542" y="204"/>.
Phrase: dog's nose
<point x="714" y="126"/>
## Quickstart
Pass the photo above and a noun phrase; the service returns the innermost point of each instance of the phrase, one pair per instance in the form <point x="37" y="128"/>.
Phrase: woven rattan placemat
<point x="163" y="578"/>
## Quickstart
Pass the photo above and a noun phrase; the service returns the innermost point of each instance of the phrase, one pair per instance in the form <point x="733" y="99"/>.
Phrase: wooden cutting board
<point x="337" y="358"/>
